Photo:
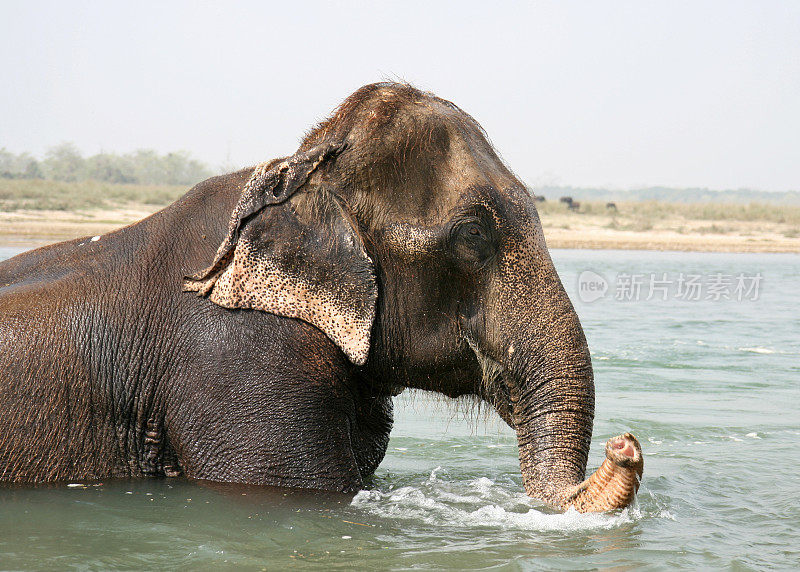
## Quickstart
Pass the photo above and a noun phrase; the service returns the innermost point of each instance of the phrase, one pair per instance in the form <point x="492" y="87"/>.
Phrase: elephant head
<point x="398" y="232"/>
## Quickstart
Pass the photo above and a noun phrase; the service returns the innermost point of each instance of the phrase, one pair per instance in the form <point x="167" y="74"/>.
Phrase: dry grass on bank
<point x="39" y="194"/>
<point x="644" y="215"/>
<point x="652" y="225"/>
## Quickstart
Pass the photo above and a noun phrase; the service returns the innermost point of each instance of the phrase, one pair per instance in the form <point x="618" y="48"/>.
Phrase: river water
<point x="697" y="354"/>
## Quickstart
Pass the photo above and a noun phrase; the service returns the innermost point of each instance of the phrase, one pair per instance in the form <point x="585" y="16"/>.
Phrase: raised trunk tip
<point x="615" y="483"/>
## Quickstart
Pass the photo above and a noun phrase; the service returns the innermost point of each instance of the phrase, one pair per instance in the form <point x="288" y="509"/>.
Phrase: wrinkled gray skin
<point x="268" y="370"/>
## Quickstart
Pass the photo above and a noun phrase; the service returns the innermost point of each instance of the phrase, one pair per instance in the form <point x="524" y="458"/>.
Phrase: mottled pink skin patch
<point x="624" y="446"/>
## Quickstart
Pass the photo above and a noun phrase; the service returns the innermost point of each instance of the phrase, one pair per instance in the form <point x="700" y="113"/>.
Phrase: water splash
<point x="482" y="503"/>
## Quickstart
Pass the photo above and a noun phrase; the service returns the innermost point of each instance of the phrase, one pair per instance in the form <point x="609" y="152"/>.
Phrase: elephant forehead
<point x="472" y="163"/>
<point x="424" y="178"/>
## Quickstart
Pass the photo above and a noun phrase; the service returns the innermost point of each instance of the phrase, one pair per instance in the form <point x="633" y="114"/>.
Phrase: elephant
<point x="256" y="330"/>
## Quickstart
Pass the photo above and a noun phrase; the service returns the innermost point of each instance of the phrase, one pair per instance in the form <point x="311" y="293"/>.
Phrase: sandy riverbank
<point x="41" y="227"/>
<point x="562" y="230"/>
<point x="597" y="232"/>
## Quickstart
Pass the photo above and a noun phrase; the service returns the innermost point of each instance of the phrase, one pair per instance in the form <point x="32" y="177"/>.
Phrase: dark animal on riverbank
<point x="567" y="200"/>
<point x="611" y="206"/>
<point x="574" y="206"/>
<point x="255" y="330"/>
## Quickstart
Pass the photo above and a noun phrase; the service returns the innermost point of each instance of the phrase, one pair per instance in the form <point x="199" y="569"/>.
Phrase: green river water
<point x="710" y="386"/>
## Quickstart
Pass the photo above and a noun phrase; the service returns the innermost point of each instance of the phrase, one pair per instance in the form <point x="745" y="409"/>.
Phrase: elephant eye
<point x="471" y="242"/>
<point x="473" y="230"/>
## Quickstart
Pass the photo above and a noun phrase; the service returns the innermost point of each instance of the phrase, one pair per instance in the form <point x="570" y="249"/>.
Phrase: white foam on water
<point x="758" y="350"/>
<point x="480" y="503"/>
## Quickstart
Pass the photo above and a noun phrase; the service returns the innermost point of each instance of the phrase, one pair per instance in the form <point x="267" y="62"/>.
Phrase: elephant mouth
<point x="497" y="386"/>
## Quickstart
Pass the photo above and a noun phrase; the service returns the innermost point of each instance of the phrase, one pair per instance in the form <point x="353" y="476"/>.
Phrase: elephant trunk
<point x="552" y="412"/>
<point x="550" y="386"/>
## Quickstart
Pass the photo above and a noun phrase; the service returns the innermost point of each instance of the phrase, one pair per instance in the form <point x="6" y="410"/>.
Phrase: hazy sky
<point x="616" y="94"/>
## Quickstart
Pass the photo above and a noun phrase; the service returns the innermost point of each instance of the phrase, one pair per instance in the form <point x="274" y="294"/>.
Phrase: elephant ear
<point x="300" y="258"/>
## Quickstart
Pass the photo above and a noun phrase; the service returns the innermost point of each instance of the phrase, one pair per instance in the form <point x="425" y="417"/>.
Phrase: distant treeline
<point x="668" y="195"/>
<point x="66" y="163"/>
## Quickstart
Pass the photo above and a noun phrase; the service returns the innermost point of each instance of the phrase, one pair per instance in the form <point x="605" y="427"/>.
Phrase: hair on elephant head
<point x="303" y="260"/>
